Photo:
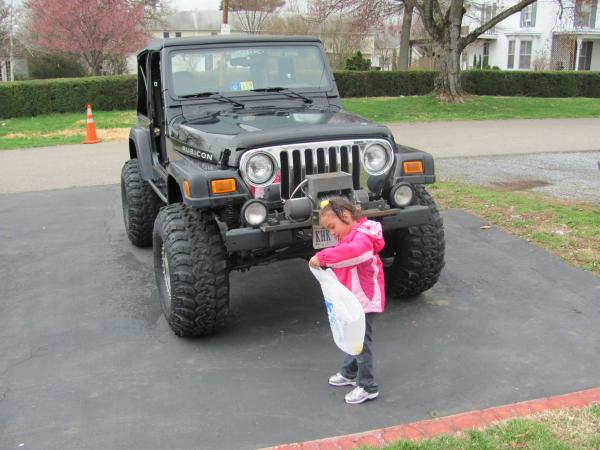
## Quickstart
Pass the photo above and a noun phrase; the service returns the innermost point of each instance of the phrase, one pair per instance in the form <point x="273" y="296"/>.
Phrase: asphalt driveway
<point x="88" y="362"/>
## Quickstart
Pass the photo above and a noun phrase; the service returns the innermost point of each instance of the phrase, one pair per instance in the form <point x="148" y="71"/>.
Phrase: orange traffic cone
<point x="91" y="137"/>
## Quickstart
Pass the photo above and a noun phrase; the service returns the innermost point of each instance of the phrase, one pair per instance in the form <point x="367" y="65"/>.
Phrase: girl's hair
<point x="337" y="206"/>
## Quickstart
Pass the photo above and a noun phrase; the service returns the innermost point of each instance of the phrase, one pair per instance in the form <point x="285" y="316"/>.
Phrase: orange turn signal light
<point x="223" y="186"/>
<point x="186" y="186"/>
<point x="413" y="167"/>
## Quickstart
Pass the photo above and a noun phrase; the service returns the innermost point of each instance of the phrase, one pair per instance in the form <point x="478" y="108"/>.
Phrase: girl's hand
<point x="314" y="262"/>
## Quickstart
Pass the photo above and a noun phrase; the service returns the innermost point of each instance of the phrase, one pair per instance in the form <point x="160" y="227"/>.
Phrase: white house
<point x="539" y="37"/>
<point x="191" y="23"/>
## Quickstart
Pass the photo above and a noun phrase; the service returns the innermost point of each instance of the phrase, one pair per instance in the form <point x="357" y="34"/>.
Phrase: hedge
<point x="478" y="82"/>
<point x="532" y="84"/>
<point x="31" y="98"/>
<point x="384" y="84"/>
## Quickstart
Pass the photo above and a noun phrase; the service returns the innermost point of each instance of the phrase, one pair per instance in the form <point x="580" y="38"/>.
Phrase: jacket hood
<point x="372" y="229"/>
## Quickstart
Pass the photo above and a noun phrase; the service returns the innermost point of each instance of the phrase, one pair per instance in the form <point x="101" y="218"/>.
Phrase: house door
<point x="585" y="56"/>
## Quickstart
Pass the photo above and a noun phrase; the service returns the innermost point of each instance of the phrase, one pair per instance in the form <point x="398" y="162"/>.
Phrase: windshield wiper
<point x="285" y="91"/>
<point x="214" y="95"/>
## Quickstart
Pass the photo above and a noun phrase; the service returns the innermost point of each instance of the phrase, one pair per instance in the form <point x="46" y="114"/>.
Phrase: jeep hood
<point x="241" y="130"/>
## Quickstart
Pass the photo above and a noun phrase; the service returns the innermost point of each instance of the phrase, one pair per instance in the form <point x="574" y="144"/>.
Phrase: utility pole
<point x="225" y="28"/>
<point x="11" y="56"/>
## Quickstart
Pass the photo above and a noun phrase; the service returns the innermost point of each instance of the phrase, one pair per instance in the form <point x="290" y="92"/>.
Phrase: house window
<point x="178" y="34"/>
<point x="165" y="34"/>
<point x="528" y="15"/>
<point x="585" y="13"/>
<point x="488" y="11"/>
<point x="525" y="55"/>
<point x="511" y="55"/>
<point x="486" y="55"/>
<point x="585" y="56"/>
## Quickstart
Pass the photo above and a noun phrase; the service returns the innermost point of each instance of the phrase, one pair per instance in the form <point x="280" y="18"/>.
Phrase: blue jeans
<point x="361" y="366"/>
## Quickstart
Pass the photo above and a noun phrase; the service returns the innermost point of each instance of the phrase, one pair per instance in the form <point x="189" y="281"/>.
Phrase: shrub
<point x="32" y="98"/>
<point x="380" y="84"/>
<point x="532" y="84"/>
<point x="54" y="65"/>
<point x="358" y="62"/>
<point x="478" y="82"/>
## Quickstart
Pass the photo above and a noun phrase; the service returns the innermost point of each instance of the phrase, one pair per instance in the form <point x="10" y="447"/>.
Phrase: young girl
<point x="358" y="267"/>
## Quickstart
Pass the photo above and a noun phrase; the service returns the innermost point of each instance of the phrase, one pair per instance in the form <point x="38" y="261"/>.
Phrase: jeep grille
<point x="297" y="161"/>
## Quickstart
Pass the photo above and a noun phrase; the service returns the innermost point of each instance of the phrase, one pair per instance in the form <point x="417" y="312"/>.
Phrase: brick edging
<point x="425" y="429"/>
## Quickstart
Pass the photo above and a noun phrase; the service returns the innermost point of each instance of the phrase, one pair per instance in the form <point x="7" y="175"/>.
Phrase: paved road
<point x="500" y="137"/>
<point x="100" y="164"/>
<point x="87" y="360"/>
<point x="566" y="175"/>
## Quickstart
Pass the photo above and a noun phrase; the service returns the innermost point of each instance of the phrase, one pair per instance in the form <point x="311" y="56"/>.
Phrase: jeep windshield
<point x="248" y="70"/>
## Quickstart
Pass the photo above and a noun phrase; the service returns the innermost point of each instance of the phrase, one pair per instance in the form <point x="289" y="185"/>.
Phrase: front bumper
<point x="286" y="234"/>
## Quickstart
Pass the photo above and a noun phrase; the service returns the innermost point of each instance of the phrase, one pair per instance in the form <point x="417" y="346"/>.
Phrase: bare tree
<point x="542" y="59"/>
<point x="4" y="19"/>
<point x="443" y="23"/>
<point x="5" y="37"/>
<point x="341" y="39"/>
<point x="386" y="43"/>
<point x="407" y="16"/>
<point x="298" y="24"/>
<point x="442" y="20"/>
<point x="252" y="15"/>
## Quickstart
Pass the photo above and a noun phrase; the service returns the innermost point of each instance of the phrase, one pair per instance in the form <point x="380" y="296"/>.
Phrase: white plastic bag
<point x="346" y="315"/>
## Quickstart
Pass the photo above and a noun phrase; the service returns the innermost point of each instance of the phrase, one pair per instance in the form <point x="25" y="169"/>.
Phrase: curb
<point x="426" y="429"/>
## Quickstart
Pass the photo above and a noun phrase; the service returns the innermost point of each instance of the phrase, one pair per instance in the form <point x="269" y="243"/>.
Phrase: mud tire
<point x="190" y="265"/>
<point x="417" y="252"/>
<point x="140" y="205"/>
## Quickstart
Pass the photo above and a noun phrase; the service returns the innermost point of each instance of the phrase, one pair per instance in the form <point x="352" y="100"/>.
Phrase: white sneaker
<point x="340" y="380"/>
<point x="359" y="395"/>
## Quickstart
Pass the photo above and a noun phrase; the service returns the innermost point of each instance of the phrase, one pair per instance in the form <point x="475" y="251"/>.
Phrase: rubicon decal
<point x="197" y="153"/>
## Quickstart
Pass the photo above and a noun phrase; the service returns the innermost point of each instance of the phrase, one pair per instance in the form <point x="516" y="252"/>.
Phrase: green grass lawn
<point x="58" y="129"/>
<point x="567" y="229"/>
<point x="426" y="108"/>
<point x="555" y="430"/>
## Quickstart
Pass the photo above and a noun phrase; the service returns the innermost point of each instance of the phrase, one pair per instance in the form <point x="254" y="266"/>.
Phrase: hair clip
<point x="324" y="203"/>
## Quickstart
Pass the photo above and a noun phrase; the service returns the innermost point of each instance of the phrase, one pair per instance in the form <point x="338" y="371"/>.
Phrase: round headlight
<point x="401" y="195"/>
<point x="260" y="169"/>
<point x="376" y="159"/>
<point x="254" y="213"/>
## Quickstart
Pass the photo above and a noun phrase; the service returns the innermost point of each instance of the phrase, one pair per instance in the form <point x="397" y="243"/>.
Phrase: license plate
<point x="322" y="238"/>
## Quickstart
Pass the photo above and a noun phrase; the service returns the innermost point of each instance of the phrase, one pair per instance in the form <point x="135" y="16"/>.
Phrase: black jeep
<point x="238" y="139"/>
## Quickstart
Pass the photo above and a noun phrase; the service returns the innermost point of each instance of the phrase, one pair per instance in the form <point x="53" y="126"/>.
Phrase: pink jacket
<point x="357" y="265"/>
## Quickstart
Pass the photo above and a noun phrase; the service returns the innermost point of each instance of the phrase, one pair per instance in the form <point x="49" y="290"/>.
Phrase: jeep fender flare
<point x="182" y="170"/>
<point x="140" y="147"/>
<point x="383" y="183"/>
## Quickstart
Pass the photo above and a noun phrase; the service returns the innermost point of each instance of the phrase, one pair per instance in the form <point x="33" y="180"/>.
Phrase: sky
<point x="184" y="5"/>
<point x="194" y="4"/>
<point x="187" y="5"/>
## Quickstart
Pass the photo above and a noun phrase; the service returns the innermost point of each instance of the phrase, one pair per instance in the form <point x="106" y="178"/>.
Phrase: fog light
<point x="254" y="212"/>
<point x="401" y="195"/>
